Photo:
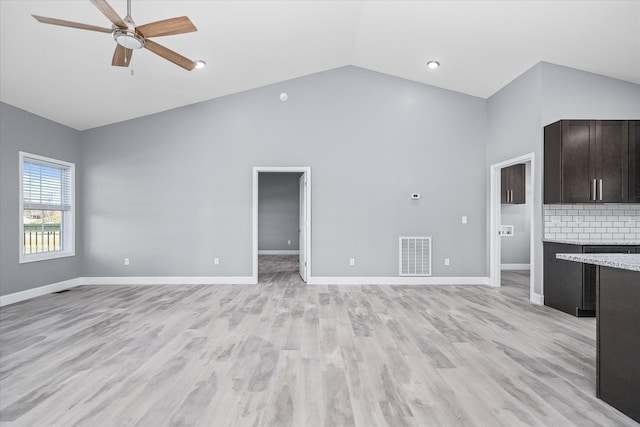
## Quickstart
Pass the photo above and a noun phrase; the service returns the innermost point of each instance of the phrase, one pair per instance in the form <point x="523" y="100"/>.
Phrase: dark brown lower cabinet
<point x="618" y="340"/>
<point x="563" y="280"/>
<point x="571" y="286"/>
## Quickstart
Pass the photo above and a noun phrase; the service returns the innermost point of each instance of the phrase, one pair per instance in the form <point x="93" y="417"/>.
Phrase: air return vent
<point x="415" y="256"/>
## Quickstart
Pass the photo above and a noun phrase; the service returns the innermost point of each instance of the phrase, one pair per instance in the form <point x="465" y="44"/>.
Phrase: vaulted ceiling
<point x="65" y="74"/>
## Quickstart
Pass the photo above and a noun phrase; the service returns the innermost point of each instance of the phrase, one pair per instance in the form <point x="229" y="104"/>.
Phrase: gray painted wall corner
<point x="23" y="131"/>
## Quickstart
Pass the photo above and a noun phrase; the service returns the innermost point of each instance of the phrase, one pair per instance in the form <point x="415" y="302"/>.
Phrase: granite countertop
<point x="585" y="242"/>
<point x="621" y="261"/>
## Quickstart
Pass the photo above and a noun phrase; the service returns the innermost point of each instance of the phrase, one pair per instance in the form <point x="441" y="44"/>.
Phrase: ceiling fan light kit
<point x="130" y="37"/>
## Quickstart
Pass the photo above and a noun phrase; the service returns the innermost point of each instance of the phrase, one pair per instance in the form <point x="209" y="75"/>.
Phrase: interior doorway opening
<point x="515" y="217"/>
<point x="281" y="221"/>
<point x="498" y="228"/>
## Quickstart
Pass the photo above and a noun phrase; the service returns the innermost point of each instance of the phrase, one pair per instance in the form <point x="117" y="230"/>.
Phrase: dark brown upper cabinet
<point x="512" y="183"/>
<point x="586" y="161"/>
<point x="634" y="161"/>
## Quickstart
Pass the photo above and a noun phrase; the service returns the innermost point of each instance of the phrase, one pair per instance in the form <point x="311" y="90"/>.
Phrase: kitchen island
<point x="617" y="328"/>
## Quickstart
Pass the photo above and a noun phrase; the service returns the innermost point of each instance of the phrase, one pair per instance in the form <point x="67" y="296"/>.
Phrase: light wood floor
<point x="284" y="354"/>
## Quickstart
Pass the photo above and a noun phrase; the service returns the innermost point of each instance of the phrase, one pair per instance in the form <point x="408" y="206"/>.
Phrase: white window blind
<point x="46" y="186"/>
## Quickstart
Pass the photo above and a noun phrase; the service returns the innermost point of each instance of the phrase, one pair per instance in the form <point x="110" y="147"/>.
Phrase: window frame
<point x="68" y="216"/>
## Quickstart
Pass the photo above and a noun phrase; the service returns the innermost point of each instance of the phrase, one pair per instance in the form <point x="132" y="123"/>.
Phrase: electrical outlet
<point x="447" y="261"/>
<point x="352" y="261"/>
<point x="288" y="242"/>
<point x="216" y="261"/>
<point x="464" y="219"/>
<point x="126" y="261"/>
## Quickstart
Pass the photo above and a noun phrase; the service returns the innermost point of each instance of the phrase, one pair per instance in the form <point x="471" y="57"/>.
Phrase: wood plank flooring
<point x="285" y="354"/>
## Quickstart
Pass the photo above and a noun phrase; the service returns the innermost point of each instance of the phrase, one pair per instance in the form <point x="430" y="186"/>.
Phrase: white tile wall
<point x="595" y="222"/>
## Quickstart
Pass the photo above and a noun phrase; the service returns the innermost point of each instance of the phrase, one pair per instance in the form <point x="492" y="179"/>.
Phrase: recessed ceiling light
<point x="433" y="64"/>
<point x="200" y="63"/>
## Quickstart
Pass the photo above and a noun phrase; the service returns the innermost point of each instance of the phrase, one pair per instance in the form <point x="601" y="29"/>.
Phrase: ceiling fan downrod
<point x="128" y="37"/>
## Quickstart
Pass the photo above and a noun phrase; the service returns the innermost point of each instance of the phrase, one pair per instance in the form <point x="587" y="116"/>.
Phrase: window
<point x="47" y="199"/>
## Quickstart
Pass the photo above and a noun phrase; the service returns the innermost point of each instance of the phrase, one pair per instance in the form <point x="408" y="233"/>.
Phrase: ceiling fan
<point x="130" y="37"/>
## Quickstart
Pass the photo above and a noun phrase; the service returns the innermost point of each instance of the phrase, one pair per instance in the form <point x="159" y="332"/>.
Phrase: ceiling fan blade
<point x="169" y="55"/>
<point x="121" y="56"/>
<point x="108" y="11"/>
<point x="167" y="27"/>
<point x="64" y="23"/>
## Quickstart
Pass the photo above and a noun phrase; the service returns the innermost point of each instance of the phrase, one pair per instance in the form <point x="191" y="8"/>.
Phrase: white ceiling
<point x="65" y="74"/>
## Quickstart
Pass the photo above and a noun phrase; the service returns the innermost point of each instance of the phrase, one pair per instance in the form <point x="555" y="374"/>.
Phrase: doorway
<point x="515" y="217"/>
<point x="271" y="241"/>
<point x="496" y="221"/>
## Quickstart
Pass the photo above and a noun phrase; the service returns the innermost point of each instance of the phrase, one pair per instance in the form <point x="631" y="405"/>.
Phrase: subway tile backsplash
<point x="592" y="222"/>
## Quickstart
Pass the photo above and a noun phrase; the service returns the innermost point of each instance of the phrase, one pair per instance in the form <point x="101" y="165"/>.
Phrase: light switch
<point x="464" y="219"/>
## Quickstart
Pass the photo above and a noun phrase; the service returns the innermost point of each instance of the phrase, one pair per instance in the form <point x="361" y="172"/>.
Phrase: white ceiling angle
<point x="65" y="74"/>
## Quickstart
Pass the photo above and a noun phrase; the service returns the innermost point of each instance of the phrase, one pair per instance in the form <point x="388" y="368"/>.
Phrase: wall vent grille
<point x="415" y="256"/>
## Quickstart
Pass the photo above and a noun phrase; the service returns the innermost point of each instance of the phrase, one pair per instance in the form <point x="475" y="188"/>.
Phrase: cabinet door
<point x="562" y="280"/>
<point x="517" y="183"/>
<point x="612" y="160"/>
<point x="504" y="186"/>
<point x="634" y="161"/>
<point x="552" y="166"/>
<point x="578" y="160"/>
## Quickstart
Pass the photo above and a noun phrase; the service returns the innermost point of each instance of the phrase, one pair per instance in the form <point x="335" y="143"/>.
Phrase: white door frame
<point x="256" y="171"/>
<point x="495" y="221"/>
<point x="302" y="225"/>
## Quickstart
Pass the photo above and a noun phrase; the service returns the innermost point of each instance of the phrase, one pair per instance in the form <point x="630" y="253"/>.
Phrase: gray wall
<point x="573" y="94"/>
<point x="278" y="211"/>
<point x="543" y="94"/>
<point x="173" y="190"/>
<point x="516" y="249"/>
<point x="514" y="129"/>
<point x="23" y="131"/>
<point x="370" y="140"/>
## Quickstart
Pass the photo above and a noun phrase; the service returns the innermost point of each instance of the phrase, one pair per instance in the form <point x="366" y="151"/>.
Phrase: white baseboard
<point x="39" y="291"/>
<point x="278" y="252"/>
<point x="170" y="280"/>
<point x="515" y="266"/>
<point x="398" y="281"/>
<point x="537" y="299"/>
<point x="235" y="280"/>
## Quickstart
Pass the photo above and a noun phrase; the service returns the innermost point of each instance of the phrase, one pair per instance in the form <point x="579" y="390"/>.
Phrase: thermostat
<point x="415" y="196"/>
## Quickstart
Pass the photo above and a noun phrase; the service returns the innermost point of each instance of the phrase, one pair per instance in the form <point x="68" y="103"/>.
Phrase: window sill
<point x="45" y="256"/>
